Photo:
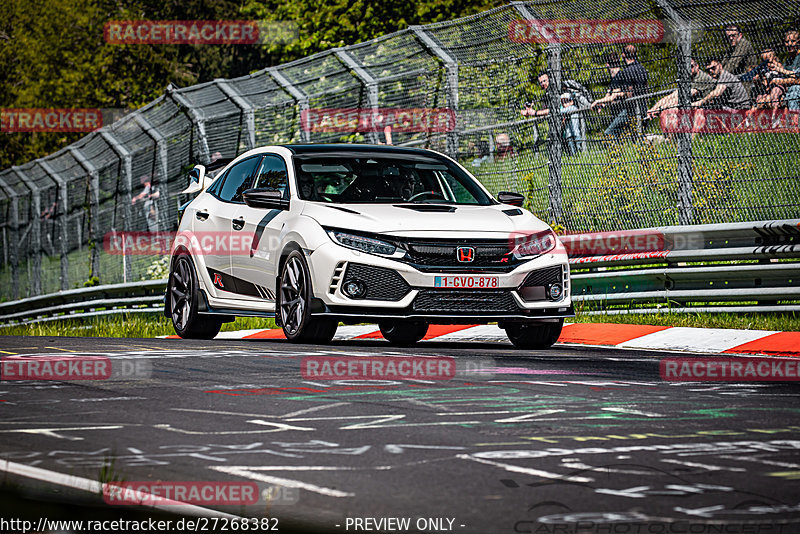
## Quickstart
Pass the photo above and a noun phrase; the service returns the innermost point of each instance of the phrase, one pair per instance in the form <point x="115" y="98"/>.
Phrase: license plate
<point x="467" y="282"/>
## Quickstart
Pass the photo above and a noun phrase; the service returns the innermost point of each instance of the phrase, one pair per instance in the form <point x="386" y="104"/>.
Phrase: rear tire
<point x="184" y="296"/>
<point x="403" y="332"/>
<point x="294" y="304"/>
<point x="534" y="336"/>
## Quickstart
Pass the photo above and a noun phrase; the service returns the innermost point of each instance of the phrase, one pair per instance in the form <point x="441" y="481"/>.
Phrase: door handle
<point x="201" y="215"/>
<point x="238" y="224"/>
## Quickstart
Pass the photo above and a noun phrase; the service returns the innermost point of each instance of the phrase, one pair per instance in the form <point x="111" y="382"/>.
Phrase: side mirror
<point x="266" y="197"/>
<point x="514" y="199"/>
<point x="197" y="179"/>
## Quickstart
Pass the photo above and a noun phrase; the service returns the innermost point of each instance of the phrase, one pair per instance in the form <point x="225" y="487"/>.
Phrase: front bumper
<point x="397" y="290"/>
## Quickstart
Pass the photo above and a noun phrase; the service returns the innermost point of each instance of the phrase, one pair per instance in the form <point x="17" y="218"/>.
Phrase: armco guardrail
<point x="741" y="267"/>
<point x="138" y="297"/>
<point x="735" y="268"/>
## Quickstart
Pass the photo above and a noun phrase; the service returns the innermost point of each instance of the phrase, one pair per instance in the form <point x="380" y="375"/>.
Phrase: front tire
<point x="183" y="295"/>
<point x="403" y="332"/>
<point x="535" y="336"/>
<point x="294" y="306"/>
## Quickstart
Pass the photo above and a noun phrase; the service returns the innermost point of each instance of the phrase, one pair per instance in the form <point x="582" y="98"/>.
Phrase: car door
<point x="217" y="217"/>
<point x="256" y="264"/>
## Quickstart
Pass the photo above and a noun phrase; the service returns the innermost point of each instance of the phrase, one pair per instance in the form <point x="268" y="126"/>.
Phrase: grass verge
<point x="149" y="326"/>
<point x="786" y="322"/>
<point x="131" y="326"/>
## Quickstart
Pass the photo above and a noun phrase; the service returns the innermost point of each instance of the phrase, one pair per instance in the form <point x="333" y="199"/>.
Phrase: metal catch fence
<point x="584" y="165"/>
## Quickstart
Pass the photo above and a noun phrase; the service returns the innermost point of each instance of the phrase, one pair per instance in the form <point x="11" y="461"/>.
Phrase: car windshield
<point x="385" y="178"/>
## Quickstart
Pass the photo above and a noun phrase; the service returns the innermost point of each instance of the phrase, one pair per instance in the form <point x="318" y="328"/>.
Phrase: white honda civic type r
<point x="315" y="235"/>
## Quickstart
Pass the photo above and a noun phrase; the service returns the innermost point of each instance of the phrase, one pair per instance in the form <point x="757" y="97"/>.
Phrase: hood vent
<point x="427" y="208"/>
<point x="340" y="208"/>
<point x="513" y="212"/>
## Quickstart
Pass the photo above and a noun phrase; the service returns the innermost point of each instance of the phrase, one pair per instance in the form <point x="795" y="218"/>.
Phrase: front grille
<point x="494" y="253"/>
<point x="480" y="302"/>
<point x="543" y="277"/>
<point x="382" y="283"/>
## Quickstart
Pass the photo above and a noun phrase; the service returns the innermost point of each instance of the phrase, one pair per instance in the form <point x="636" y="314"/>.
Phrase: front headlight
<point x="364" y="244"/>
<point x="534" y="244"/>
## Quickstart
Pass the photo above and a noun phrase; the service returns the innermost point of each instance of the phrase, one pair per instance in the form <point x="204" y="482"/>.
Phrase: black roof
<point x="351" y="147"/>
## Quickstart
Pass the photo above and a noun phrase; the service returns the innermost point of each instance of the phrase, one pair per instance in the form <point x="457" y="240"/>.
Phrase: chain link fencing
<point x="594" y="160"/>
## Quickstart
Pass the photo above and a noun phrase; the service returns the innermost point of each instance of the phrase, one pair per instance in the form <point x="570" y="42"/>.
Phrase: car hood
<point x="423" y="220"/>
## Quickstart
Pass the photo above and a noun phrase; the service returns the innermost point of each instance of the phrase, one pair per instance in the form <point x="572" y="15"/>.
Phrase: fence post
<point x="14" y="230"/>
<point x="94" y="207"/>
<point x="36" y="230"/>
<point x="685" y="174"/>
<point x="196" y="118"/>
<point x="299" y="96"/>
<point x="684" y="139"/>
<point x="554" y="137"/>
<point x="127" y="176"/>
<point x="369" y="83"/>
<point x="62" y="212"/>
<point x="249" y="114"/>
<point x="554" y="148"/>
<point x="451" y="70"/>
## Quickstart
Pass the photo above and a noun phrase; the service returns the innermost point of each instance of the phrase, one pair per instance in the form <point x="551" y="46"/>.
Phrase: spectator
<point x="767" y="94"/>
<point x="741" y="56"/>
<point x="702" y="84"/>
<point x="503" y="148"/>
<point x="572" y="133"/>
<point x="625" y="83"/>
<point x="149" y="195"/>
<point x="582" y="96"/>
<point x="634" y="78"/>
<point x="614" y="92"/>
<point x="788" y="81"/>
<point x="728" y="93"/>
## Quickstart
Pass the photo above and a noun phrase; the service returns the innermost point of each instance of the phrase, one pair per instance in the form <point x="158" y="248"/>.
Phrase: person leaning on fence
<point x="628" y="82"/>
<point x="764" y="93"/>
<point x="581" y="95"/>
<point x="787" y="81"/>
<point x="614" y="94"/>
<point x="634" y="76"/>
<point x="702" y="84"/>
<point x="741" y="57"/>
<point x="582" y="98"/>
<point x="729" y="94"/>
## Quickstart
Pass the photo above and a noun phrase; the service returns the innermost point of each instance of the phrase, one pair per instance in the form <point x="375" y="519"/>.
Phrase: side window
<point x="272" y="173"/>
<point x="215" y="187"/>
<point x="237" y="180"/>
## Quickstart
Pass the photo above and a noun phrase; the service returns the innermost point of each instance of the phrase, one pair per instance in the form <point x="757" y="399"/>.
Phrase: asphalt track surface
<point x="574" y="439"/>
